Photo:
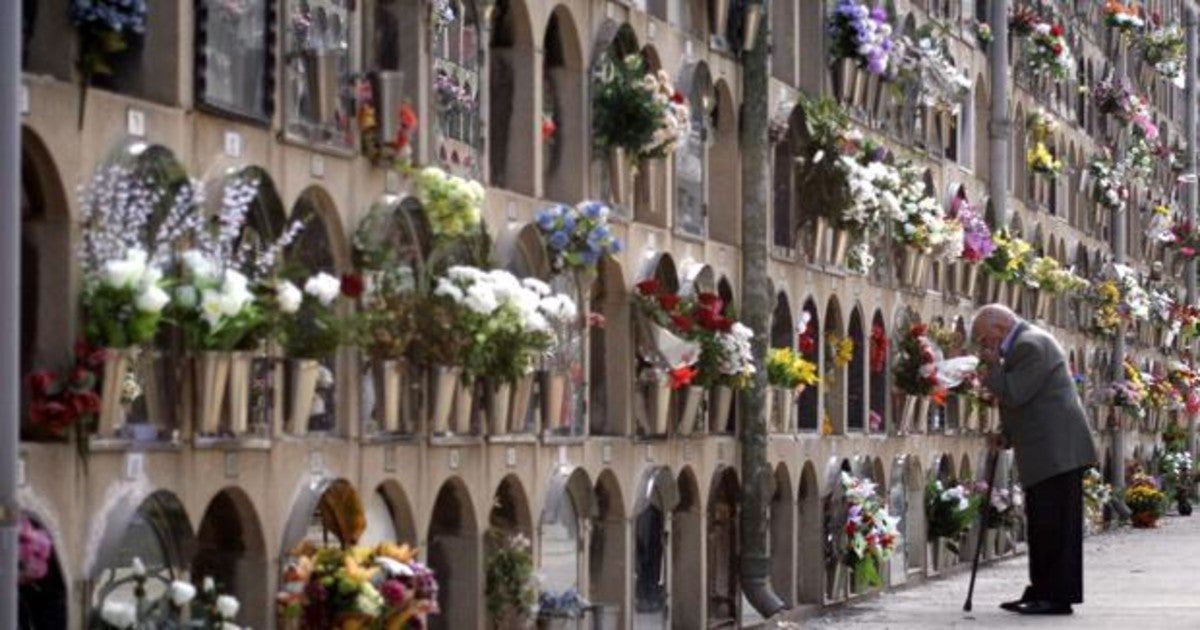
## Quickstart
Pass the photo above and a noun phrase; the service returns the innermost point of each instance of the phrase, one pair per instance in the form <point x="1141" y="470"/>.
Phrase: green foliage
<point x="113" y="321"/>
<point x="313" y="332"/>
<point x="948" y="515"/>
<point x="625" y="114"/>
<point x="511" y="588"/>
<point x="443" y="337"/>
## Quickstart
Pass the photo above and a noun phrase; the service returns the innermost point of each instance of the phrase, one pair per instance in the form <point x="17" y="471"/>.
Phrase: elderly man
<point x="1042" y="418"/>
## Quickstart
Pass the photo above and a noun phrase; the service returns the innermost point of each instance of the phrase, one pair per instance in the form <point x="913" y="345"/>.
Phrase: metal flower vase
<point x="656" y="408"/>
<point x="443" y="382"/>
<point x="464" y="406"/>
<point x="499" y="404"/>
<point x="522" y="394"/>
<point x="554" y="392"/>
<point x="304" y="388"/>
<point x="388" y="384"/>
<point x="720" y="404"/>
<point x="116" y="367"/>
<point x="969" y="272"/>
<point x="841" y="246"/>
<point x="212" y="375"/>
<point x="689" y="407"/>
<point x="913" y="267"/>
<point x="321" y="76"/>
<point x="618" y="175"/>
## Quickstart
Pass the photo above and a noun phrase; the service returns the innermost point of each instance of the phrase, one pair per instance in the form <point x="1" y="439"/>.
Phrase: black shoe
<point x="1043" y="607"/>
<point x="1012" y="606"/>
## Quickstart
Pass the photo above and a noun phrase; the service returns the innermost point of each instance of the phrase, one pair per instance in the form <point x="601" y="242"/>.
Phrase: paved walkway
<point x="1133" y="580"/>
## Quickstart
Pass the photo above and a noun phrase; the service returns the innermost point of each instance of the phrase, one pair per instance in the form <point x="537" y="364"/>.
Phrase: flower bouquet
<point x="1108" y="187"/>
<point x="950" y="510"/>
<point x="788" y="373"/>
<point x="1040" y="160"/>
<point x="1124" y="18"/>
<point x="1186" y="239"/>
<point x="511" y="588"/>
<point x="1160" y="228"/>
<point x="861" y="35"/>
<point x="1048" y="276"/>
<point x="1005" y="508"/>
<point x="1049" y="52"/>
<point x="453" y="205"/>
<point x="577" y="237"/>
<point x="924" y="63"/>
<point x="1164" y="48"/>
<point x="920" y="222"/>
<point x="105" y="28"/>
<point x="977" y="236"/>
<point x="637" y="112"/>
<point x="1147" y="502"/>
<point x="359" y="587"/>
<point x="60" y="402"/>
<point x="395" y="152"/>
<point x="1127" y="395"/>
<point x="871" y="533"/>
<point x="34" y="552"/>
<point x="1010" y="258"/>
<point x="1096" y="494"/>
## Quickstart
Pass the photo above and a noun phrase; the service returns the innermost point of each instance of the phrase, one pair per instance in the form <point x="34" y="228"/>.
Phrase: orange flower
<point x="682" y="376"/>
<point x="938" y="397"/>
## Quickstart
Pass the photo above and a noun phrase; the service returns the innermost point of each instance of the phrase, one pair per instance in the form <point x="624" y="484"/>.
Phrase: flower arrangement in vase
<point x="1128" y="394"/>
<point x="1122" y="17"/>
<point x="1049" y="53"/>
<point x="861" y="34"/>
<point x="1006" y="506"/>
<point x="1010" y="257"/>
<point x="1048" y="275"/>
<point x="62" y="402"/>
<point x="1160" y="228"/>
<point x="976" y="235"/>
<point x="950" y="510"/>
<point x="1108" y="187"/>
<point x="636" y="111"/>
<point x="1185" y="239"/>
<point x="920" y="222"/>
<point x="453" y="205"/>
<point x="1164" y="48"/>
<point x="871" y="531"/>
<point x="1147" y="502"/>
<point x="511" y="592"/>
<point x="577" y="237"/>
<point x="915" y="370"/>
<point x="357" y="587"/>
<point x="789" y="370"/>
<point x="1040" y="160"/>
<point x="395" y="152"/>
<point x="178" y="604"/>
<point x="1096" y="494"/>
<point x="924" y="63"/>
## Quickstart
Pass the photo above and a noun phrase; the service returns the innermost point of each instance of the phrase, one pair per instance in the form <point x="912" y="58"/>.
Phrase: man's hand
<point x="997" y="441"/>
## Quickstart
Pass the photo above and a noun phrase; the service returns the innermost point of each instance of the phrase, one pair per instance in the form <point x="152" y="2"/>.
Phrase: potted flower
<point x="577" y="237"/>
<point x="915" y="375"/>
<point x="1145" y="500"/>
<point x="310" y="331"/>
<point x="977" y="241"/>
<point x="950" y="511"/>
<point x="560" y="611"/>
<point x="667" y="362"/>
<point x="638" y="116"/>
<point x="1096" y="495"/>
<point x="511" y="590"/>
<point x="869" y="535"/>
<point x="1008" y="264"/>
<point x="1048" y="278"/>
<point x="788" y="373"/>
<point x="859" y="37"/>
<point x="1163" y="47"/>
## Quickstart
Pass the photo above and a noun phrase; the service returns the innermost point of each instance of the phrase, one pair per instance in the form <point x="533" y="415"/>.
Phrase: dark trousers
<point x="1054" y="520"/>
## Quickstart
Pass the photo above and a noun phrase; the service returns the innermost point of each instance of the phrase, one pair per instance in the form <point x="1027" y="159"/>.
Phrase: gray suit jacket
<point x="1040" y="411"/>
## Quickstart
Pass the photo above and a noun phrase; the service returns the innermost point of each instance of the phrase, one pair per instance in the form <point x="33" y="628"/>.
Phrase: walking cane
<point x="993" y="457"/>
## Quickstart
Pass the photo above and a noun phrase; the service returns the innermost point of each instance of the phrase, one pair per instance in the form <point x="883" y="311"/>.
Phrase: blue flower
<point x="615" y="246"/>
<point x="591" y="257"/>
<point x="598" y="236"/>
<point x="559" y="240"/>
<point x="595" y="210"/>
<point x="568" y="221"/>
<point x="546" y="220"/>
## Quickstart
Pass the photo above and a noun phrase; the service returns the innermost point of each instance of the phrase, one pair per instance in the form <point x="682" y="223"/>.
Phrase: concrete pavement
<point x="1133" y="580"/>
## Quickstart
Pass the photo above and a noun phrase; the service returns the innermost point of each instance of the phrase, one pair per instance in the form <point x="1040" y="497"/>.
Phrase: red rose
<point x="709" y="299"/>
<point x="548" y="129"/>
<point x="408" y="117"/>
<point x="808" y="346"/>
<point x="683" y="323"/>
<point x="55" y="416"/>
<point x="677" y="98"/>
<point x="649" y="287"/>
<point x="401" y="140"/>
<point x="850" y="528"/>
<point x="85" y="402"/>
<point x="41" y="382"/>
<point x="352" y="285"/>
<point x="918" y="330"/>
<point x="1056" y="30"/>
<point x="669" y="301"/>
<point x="1057" y="49"/>
<point x="682" y="376"/>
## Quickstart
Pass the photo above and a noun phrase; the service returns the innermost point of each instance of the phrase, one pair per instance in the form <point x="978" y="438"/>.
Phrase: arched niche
<point x="42" y="601"/>
<point x="691" y="153"/>
<point x="568" y="501"/>
<point x="510" y="509"/>
<point x="833" y="509"/>
<point x="153" y="528"/>
<point x="912" y="522"/>
<point x="878" y="366"/>
<point x="782" y="326"/>
<point x="781" y="532"/>
<point x="454" y="555"/>
<point x="784" y="41"/>
<point x="810" y="543"/>
<point x="659" y="267"/>
<point x="965" y="472"/>
<point x="982" y="112"/>
<point x="608" y="553"/>
<point x="614" y="40"/>
<point x="390" y="516"/>
<point x="512" y="132"/>
<point x="897" y="498"/>
<point x="810" y="339"/>
<point x="326" y="511"/>
<point x="657" y="496"/>
<point x="725" y="192"/>
<point x="784" y="220"/>
<point x="608" y="350"/>
<point x="687" y="548"/>
<point x="457" y="73"/>
<point x="696" y="277"/>
<point x="48" y="311"/>
<point x="231" y="549"/>
<point x="833" y="380"/>
<point x="652" y="187"/>
<point x="724" y="504"/>
<point x="564" y="154"/>
<point x="856" y="374"/>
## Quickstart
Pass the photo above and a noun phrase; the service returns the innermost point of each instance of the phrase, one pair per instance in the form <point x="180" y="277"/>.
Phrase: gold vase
<point x="499" y="404"/>
<point x="212" y="374"/>
<point x="522" y="394"/>
<point x="387" y="400"/>
<point x="689" y="407"/>
<point x="443" y="383"/>
<point x="721" y="401"/>
<point x="239" y="391"/>
<point x="116" y="367"/>
<point x="304" y="389"/>
<point x="554" y="391"/>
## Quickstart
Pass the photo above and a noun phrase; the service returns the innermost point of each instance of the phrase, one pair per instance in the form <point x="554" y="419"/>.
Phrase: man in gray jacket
<point x="1042" y="418"/>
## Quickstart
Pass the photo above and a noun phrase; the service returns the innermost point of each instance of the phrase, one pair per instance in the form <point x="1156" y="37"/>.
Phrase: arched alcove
<point x="42" y="600"/>
<point x="982" y="112"/>
<point x="609" y="350"/>
<point x="810" y="542"/>
<point x="154" y="529"/>
<point x="508" y="522"/>
<point x="608" y="556"/>
<point x="691" y="153"/>
<point x="833" y="380"/>
<point x="564" y="153"/>
<point x="457" y="72"/>
<point x="833" y="521"/>
<point x="613" y="40"/>
<point x="561" y="536"/>
<point x="725" y="191"/>
<point x="912" y="521"/>
<point x="512" y="130"/>
<point x="657" y="496"/>
<point x="810" y="341"/>
<point x="687" y="549"/>
<point x="231" y="549"/>
<point x="897" y="497"/>
<point x="659" y="267"/>
<point x="856" y="393"/>
<point x="724" y="504"/>
<point x="454" y="555"/>
<point x="326" y="511"/>
<point x="878" y="366"/>
<point x="784" y="221"/>
<point x="781" y="532"/>
<point x="389" y="516"/>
